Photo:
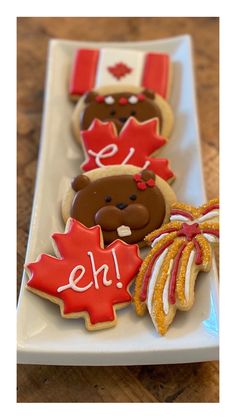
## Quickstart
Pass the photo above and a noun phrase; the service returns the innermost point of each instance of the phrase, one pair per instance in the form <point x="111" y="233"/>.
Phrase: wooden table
<point x="167" y="383"/>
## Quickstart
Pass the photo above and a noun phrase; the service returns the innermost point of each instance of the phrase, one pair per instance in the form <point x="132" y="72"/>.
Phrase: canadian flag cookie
<point x="180" y="250"/>
<point x="93" y="68"/>
<point x="85" y="279"/>
<point x="104" y="146"/>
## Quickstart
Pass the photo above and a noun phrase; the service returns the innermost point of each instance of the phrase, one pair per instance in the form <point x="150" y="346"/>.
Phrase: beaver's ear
<point x="149" y="94"/>
<point x="79" y="182"/>
<point x="148" y="174"/>
<point x="90" y="97"/>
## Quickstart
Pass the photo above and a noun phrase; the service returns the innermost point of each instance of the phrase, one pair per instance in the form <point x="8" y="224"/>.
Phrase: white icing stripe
<point x="165" y="300"/>
<point x="152" y="281"/>
<point x="179" y="217"/>
<point x="188" y="274"/>
<point x="109" y="151"/>
<point x="110" y="57"/>
<point x="210" y="237"/>
<point x="158" y="239"/>
<point x="116" y="263"/>
<point x="73" y="280"/>
<point x="208" y="216"/>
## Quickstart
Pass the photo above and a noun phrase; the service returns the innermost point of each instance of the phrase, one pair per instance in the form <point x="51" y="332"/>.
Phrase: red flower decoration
<point x="143" y="184"/>
<point x="86" y="280"/>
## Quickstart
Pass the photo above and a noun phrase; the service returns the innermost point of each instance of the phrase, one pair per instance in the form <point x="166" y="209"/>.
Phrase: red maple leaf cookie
<point x="85" y="279"/>
<point x="134" y="144"/>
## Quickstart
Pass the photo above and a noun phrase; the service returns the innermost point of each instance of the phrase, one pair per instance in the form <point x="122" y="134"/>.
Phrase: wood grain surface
<point x="198" y="382"/>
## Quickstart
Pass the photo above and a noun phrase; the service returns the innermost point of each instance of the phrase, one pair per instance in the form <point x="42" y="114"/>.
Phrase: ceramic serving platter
<point x="44" y="337"/>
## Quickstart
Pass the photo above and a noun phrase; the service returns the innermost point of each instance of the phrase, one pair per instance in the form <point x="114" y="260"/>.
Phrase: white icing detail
<point x="165" y="299"/>
<point x="73" y="281"/>
<point x="129" y="155"/>
<point x="106" y="152"/>
<point x="210" y="237"/>
<point x="146" y="164"/>
<point x="158" y="239"/>
<point x="188" y="275"/>
<point x="109" y="151"/>
<point x="124" y="231"/>
<point x="109" y="100"/>
<point x="116" y="263"/>
<point x="109" y="57"/>
<point x="179" y="217"/>
<point x="133" y="100"/>
<point x="153" y="279"/>
<point x="208" y="216"/>
<point x="96" y="272"/>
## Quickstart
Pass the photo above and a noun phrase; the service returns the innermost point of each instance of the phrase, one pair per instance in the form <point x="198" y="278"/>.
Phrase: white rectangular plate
<point x="44" y="337"/>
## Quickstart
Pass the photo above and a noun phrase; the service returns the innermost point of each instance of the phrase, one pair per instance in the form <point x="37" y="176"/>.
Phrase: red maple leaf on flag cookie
<point x="85" y="279"/>
<point x="134" y="144"/>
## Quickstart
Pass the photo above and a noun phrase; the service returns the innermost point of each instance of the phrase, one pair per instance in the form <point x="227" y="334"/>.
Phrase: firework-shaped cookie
<point x="180" y="250"/>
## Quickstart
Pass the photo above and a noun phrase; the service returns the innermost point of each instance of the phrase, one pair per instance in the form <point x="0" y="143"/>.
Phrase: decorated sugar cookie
<point x="93" y="68"/>
<point x="117" y="104"/>
<point x="85" y="279"/>
<point x="125" y="201"/>
<point x="103" y="146"/>
<point x="180" y="250"/>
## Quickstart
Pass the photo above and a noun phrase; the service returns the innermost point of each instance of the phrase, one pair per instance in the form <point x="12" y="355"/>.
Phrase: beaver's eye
<point x="113" y="112"/>
<point x="133" y="197"/>
<point x="108" y="198"/>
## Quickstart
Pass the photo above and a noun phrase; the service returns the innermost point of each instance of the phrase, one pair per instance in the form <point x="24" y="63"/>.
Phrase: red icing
<point x="156" y="73"/>
<point x="100" y="99"/>
<point x="119" y="70"/>
<point x="210" y="208"/>
<point x="189" y="230"/>
<point x="143" y="184"/>
<point x="48" y="274"/>
<point x="84" y="71"/>
<point x="143" y="293"/>
<point x="174" y="272"/>
<point x="211" y="231"/>
<point x="103" y="135"/>
<point x="198" y="257"/>
<point x="141" y="97"/>
<point x="123" y="101"/>
<point x="137" y="177"/>
<point x="181" y="212"/>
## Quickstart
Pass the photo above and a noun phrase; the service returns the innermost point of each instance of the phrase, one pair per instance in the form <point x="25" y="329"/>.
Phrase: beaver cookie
<point x="126" y="202"/>
<point x="180" y="250"/>
<point x="117" y="104"/>
<point x="85" y="279"/>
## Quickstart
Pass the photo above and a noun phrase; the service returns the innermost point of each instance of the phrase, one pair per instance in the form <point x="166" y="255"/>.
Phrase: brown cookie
<point x="125" y="201"/>
<point x="117" y="104"/>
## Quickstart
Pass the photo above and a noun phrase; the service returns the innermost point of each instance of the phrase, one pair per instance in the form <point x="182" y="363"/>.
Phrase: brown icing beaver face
<point x="116" y="201"/>
<point x="118" y="107"/>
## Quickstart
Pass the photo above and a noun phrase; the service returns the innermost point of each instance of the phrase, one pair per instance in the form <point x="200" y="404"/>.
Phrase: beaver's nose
<point x="123" y="119"/>
<point x="121" y="205"/>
